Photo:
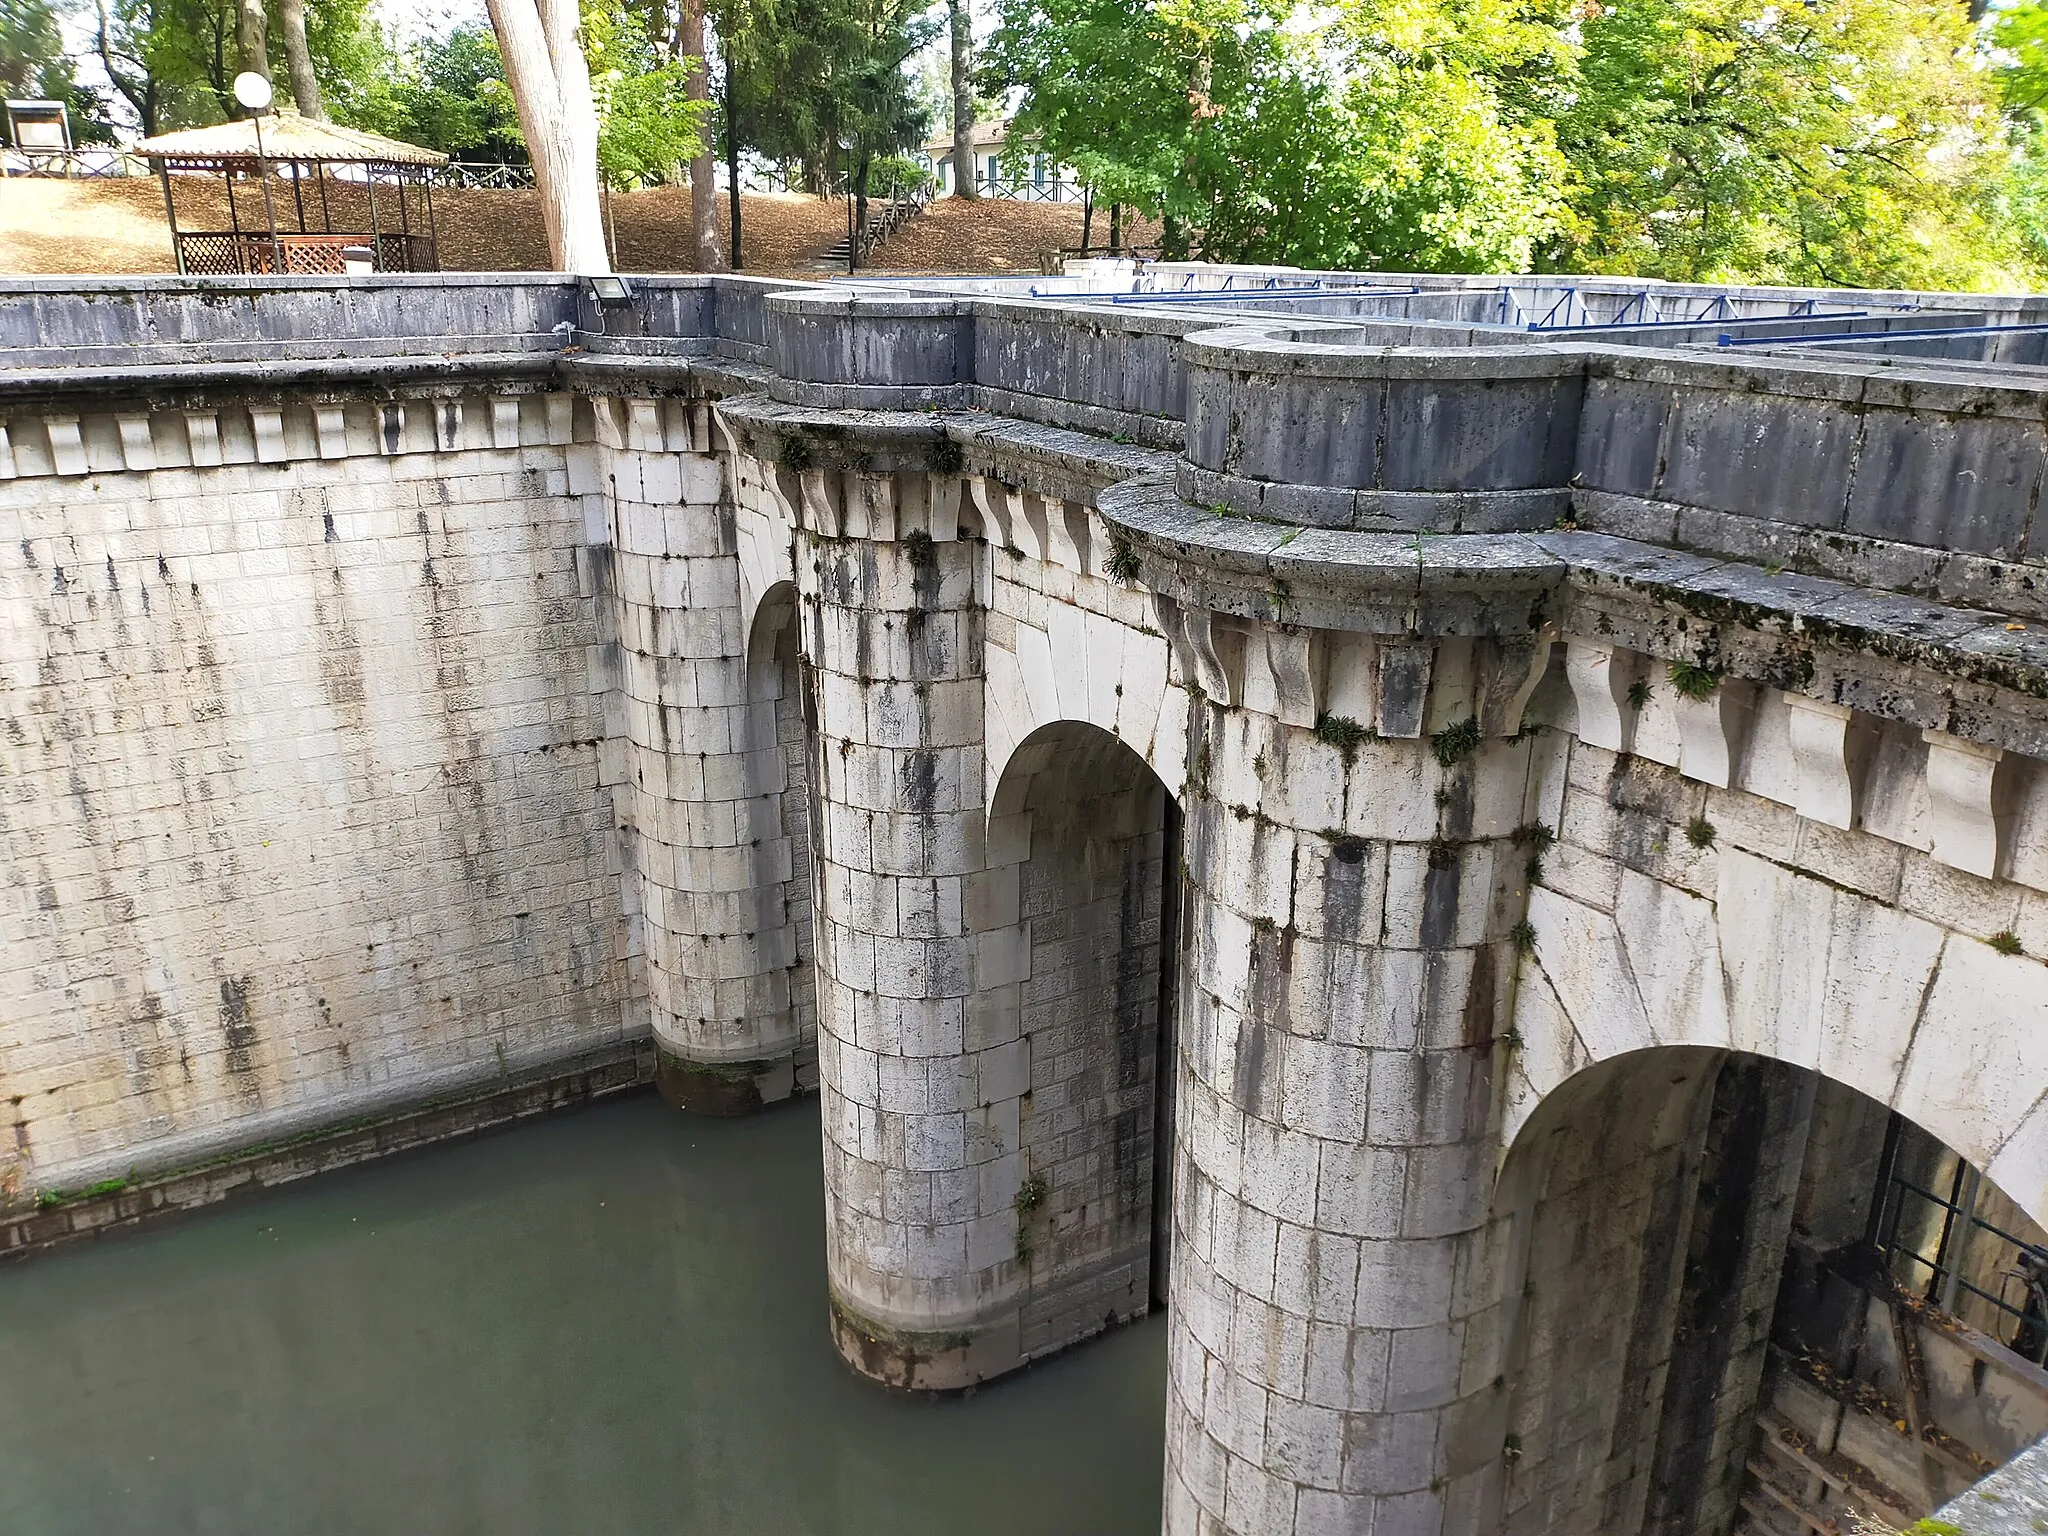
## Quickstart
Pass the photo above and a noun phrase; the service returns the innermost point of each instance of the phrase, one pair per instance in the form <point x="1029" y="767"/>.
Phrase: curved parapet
<point x="1308" y="425"/>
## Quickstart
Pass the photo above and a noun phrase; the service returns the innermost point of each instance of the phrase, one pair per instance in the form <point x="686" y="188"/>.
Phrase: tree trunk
<point x="298" y="58"/>
<point x="550" y="82"/>
<point x="252" y="36"/>
<point x="963" y="100"/>
<point x="860" y="212"/>
<point x="704" y="253"/>
<point x="732" y="164"/>
<point x="1116" y="229"/>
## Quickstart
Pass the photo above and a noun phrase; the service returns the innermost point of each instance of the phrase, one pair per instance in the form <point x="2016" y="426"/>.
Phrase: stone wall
<point x="819" y="666"/>
<point x="305" y="814"/>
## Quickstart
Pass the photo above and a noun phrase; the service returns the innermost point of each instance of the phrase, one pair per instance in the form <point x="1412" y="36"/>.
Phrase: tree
<point x="33" y="64"/>
<point x="961" y="25"/>
<point x="252" y="36"/>
<point x="647" y="126"/>
<point x="291" y="20"/>
<point x="542" y="46"/>
<point x="1841" y="142"/>
<point x="446" y="93"/>
<point x="1403" y="134"/>
<point x="704" y="254"/>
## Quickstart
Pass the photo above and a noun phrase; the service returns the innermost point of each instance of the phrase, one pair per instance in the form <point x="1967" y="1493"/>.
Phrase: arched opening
<point x="1084" y="859"/>
<point x="780" y="745"/>
<point x="1755" y="1302"/>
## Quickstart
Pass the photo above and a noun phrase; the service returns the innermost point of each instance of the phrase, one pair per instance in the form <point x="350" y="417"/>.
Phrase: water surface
<point x="612" y="1321"/>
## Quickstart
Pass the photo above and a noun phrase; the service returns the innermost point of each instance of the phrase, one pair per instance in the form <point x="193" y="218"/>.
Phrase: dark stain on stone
<point x="1344" y="871"/>
<point x="1440" y="902"/>
<point x="920" y="780"/>
<point x="327" y="533"/>
<point x="235" y="1025"/>
<point x="1479" y="1000"/>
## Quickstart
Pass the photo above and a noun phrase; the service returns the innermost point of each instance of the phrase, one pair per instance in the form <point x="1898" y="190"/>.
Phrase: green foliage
<point x="1343" y="733"/>
<point x="1689" y="680"/>
<point x="1700" y="832"/>
<point x="1523" y="937"/>
<point x="1123" y="564"/>
<point x="1832" y="142"/>
<point x="1454" y="743"/>
<point x="1389" y="134"/>
<point x="1836" y="142"/>
<point x="33" y="65"/>
<point x="825" y="86"/>
<point x="646" y="128"/>
<point x="447" y="93"/>
<point x="2007" y="943"/>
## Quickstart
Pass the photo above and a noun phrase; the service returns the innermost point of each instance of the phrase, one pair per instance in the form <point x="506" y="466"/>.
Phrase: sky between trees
<point x="1851" y="142"/>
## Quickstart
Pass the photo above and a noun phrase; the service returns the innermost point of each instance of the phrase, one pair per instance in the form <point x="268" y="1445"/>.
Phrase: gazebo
<point x="334" y="199"/>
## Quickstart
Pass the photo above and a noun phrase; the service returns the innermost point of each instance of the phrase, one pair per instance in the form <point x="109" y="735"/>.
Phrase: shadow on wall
<point x="1812" y="1311"/>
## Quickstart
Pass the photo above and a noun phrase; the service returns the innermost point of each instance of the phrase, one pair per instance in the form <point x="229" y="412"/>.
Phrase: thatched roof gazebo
<point x="371" y="198"/>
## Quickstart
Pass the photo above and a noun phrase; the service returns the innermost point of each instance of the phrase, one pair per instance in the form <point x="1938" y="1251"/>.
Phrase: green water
<point x="613" y="1321"/>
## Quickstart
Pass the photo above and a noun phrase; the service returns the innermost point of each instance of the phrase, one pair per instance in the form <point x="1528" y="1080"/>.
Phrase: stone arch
<point x="1763" y="957"/>
<point x="1082" y="881"/>
<point x="1083" y="668"/>
<point x="1706" y="1234"/>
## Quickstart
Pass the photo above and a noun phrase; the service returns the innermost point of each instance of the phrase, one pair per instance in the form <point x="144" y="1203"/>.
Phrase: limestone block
<point x="1674" y="954"/>
<point x="1581" y="954"/>
<point x="504" y="421"/>
<point x="1287" y="680"/>
<point x="561" y="418"/>
<point x="138" y="447"/>
<point x="1001" y="507"/>
<point x="1968" y="813"/>
<point x="1711" y="731"/>
<point x="202" y="432"/>
<point x="1600" y="676"/>
<point x="1066" y="629"/>
<point x="1878" y="965"/>
<point x="871" y="507"/>
<point x="1979" y="1058"/>
<point x="67" y="445"/>
<point x="1830" y="749"/>
<point x="330" y="431"/>
<point x="1349" y="670"/>
<point x="1102" y="643"/>
<point x="1775" y="927"/>
<point x="1510" y="671"/>
<point x="1550" y="1052"/>
<point x="1453" y="685"/>
<point x="1657" y="738"/>
<point x="643" y="431"/>
<point x="1141" y="681"/>
<point x="1401" y="688"/>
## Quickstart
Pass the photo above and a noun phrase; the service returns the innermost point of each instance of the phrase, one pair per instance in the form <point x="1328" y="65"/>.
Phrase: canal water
<point x="611" y="1321"/>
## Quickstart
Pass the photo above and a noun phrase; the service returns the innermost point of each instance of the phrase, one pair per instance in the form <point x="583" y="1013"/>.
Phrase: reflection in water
<point x="610" y="1322"/>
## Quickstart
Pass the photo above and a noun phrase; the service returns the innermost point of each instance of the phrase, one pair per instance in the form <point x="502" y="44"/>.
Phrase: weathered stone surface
<point x="1298" y="858"/>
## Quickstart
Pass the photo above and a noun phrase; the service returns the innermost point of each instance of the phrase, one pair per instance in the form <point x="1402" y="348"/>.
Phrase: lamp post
<point x="253" y="92"/>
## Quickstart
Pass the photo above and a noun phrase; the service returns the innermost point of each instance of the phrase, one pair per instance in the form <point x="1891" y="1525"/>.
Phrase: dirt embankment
<point x="77" y="227"/>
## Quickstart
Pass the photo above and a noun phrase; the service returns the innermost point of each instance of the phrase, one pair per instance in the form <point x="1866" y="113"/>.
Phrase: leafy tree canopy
<point x="1818" y="141"/>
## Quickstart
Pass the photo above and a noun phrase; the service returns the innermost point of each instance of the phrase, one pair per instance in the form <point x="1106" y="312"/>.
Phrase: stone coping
<point x="2013" y="1501"/>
